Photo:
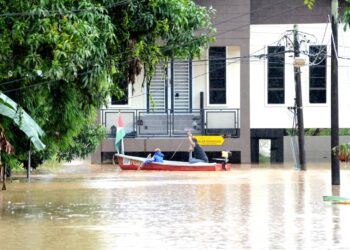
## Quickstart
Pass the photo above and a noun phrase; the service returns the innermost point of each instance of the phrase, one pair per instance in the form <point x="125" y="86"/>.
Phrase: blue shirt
<point x="157" y="157"/>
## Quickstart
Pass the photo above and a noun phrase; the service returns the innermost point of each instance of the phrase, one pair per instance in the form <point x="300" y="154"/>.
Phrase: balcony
<point x="159" y="123"/>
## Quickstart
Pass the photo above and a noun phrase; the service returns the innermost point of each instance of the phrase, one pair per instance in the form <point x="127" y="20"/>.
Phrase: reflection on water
<point x="247" y="208"/>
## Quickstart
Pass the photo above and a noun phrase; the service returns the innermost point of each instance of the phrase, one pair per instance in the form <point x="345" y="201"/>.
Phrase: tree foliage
<point x="60" y="59"/>
<point x="55" y="59"/>
<point x="346" y="13"/>
<point x="152" y="30"/>
<point x="84" y="143"/>
<point x="309" y="3"/>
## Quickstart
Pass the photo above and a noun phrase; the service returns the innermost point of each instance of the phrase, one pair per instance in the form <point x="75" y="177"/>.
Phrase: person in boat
<point x="196" y="153"/>
<point x="158" y="156"/>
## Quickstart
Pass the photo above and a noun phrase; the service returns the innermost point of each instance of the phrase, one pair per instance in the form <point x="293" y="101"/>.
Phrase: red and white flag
<point x="120" y="133"/>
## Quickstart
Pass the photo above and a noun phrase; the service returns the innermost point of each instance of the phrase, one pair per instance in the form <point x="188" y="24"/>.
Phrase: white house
<point x="242" y="87"/>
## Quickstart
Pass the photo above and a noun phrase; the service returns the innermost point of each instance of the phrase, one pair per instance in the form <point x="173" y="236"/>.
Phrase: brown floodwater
<point x="94" y="207"/>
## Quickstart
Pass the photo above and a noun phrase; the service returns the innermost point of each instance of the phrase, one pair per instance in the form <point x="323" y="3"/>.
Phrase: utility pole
<point x="299" y="100"/>
<point x="334" y="95"/>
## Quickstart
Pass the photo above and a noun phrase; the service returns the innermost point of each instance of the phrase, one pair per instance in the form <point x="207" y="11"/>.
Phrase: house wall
<point x="288" y="11"/>
<point x="318" y="148"/>
<point x="200" y="79"/>
<point x="137" y="95"/>
<point x="269" y="19"/>
<point x="233" y="33"/>
<point x="265" y="115"/>
<point x="232" y="20"/>
<point x="246" y="28"/>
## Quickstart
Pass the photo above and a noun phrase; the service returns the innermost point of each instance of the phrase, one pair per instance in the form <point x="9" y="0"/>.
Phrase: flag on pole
<point x="120" y="134"/>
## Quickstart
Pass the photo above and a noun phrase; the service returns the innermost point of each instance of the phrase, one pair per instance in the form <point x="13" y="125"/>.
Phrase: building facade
<point x="242" y="87"/>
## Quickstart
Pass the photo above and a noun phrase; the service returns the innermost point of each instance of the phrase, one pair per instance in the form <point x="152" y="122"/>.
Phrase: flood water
<point x="98" y="207"/>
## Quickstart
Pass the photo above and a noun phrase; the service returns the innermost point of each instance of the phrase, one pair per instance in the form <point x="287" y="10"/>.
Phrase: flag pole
<point x="122" y="146"/>
<point x="122" y="142"/>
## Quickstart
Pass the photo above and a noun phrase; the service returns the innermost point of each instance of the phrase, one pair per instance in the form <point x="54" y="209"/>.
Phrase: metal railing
<point x="172" y="123"/>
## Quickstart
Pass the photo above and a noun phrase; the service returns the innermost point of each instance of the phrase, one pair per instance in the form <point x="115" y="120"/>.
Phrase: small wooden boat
<point x="126" y="162"/>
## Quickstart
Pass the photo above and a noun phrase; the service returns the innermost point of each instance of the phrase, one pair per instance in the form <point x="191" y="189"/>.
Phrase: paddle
<point x="186" y="130"/>
<point x="177" y="150"/>
<point x="149" y="156"/>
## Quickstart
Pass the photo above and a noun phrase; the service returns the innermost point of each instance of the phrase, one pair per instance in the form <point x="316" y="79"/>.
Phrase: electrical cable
<point x="251" y="12"/>
<point x="217" y="34"/>
<point x="238" y="59"/>
<point x="4" y="83"/>
<point x="242" y="26"/>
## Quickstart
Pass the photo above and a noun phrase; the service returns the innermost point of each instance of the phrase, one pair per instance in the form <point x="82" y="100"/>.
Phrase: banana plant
<point x="25" y="123"/>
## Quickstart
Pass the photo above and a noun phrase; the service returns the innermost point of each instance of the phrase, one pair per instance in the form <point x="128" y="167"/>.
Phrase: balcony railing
<point x="158" y="123"/>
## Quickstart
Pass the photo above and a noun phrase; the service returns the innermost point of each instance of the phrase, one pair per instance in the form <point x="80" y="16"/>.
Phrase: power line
<point x="251" y="12"/>
<point x="269" y="17"/>
<point x="226" y="31"/>
<point x="30" y="86"/>
<point x="122" y="2"/>
<point x="194" y="41"/>
<point x="56" y="80"/>
<point x="216" y="61"/>
<point x="236" y="28"/>
<point x="110" y="57"/>
<point x="49" y="81"/>
<point x="237" y="59"/>
<point x="208" y="72"/>
<point x="12" y="81"/>
<point x="43" y="83"/>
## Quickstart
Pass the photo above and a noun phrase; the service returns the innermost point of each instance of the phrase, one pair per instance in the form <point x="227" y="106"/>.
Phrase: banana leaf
<point x="25" y="123"/>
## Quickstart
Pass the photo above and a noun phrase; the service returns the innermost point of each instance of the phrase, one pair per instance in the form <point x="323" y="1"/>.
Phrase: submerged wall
<point x="317" y="148"/>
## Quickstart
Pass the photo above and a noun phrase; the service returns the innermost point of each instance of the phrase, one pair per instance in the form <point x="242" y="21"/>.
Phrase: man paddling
<point x="198" y="153"/>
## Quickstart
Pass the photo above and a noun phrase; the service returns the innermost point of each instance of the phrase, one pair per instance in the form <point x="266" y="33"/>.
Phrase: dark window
<point x="217" y="75"/>
<point x="123" y="97"/>
<point x="275" y="77"/>
<point x="317" y="74"/>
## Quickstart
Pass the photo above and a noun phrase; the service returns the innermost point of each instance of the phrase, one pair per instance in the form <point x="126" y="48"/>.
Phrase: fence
<point x="170" y="123"/>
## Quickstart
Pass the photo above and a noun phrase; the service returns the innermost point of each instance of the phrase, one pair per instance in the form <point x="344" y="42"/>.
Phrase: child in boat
<point x="157" y="157"/>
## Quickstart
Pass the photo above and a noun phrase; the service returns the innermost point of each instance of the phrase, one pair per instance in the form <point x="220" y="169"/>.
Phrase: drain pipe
<point x="202" y="111"/>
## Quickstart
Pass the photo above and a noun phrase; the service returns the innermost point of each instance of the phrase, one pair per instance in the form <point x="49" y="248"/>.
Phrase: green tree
<point x="53" y="54"/>
<point x="152" y="30"/>
<point x="60" y="59"/>
<point x="346" y="15"/>
<point x="309" y="3"/>
<point x="84" y="143"/>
